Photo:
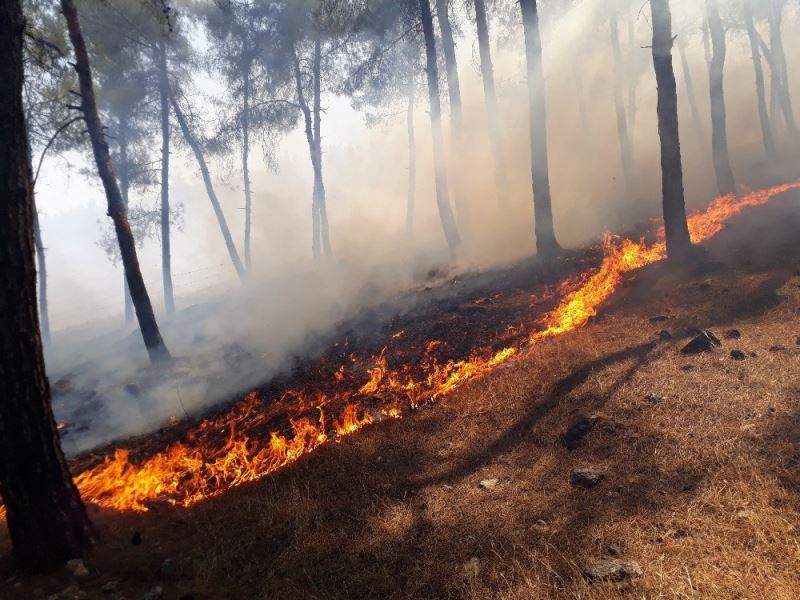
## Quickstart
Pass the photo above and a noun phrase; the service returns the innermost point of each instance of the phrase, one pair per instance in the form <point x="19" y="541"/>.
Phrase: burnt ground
<point x="699" y="456"/>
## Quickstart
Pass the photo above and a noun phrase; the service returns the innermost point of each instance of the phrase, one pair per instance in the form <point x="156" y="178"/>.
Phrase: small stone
<point x="777" y="348"/>
<point x="743" y="514"/>
<point x="732" y="334"/>
<point x="77" y="568"/>
<point x="136" y="538"/>
<point x="658" y="318"/>
<point x="586" y="478"/>
<point x="738" y="355"/>
<point x="471" y="568"/>
<point x="653" y="398"/>
<point x="489" y="484"/>
<point x="664" y="335"/>
<point x="154" y="594"/>
<point x="541" y="525"/>
<point x="705" y="342"/>
<point x="578" y="429"/>
<point x="168" y="568"/>
<point x="110" y="587"/>
<point x="610" y="569"/>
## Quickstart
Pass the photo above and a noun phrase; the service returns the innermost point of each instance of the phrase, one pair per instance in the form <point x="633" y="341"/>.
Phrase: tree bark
<point x="690" y="92"/>
<point x="490" y="96"/>
<point x="319" y="186"/>
<point x="619" y="104"/>
<point x="124" y="182"/>
<point x="248" y="200"/>
<point x="46" y="519"/>
<point x="761" y="95"/>
<point x="116" y="208"/>
<point x="780" y="74"/>
<point x="212" y="196"/>
<point x="166" y="250"/>
<point x="726" y="183"/>
<point x="316" y="243"/>
<point x="412" y="151"/>
<point x="432" y="71"/>
<point x="456" y="117"/>
<point x="675" y="225"/>
<point x="44" y="311"/>
<point x="546" y="243"/>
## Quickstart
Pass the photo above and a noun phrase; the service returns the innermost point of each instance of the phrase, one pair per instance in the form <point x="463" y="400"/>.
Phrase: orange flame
<point x="201" y="467"/>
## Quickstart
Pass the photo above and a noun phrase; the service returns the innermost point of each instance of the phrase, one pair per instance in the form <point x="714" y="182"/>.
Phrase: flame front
<point x="201" y="466"/>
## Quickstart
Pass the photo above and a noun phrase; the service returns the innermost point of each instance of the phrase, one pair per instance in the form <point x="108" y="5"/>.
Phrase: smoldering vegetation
<point x="231" y="337"/>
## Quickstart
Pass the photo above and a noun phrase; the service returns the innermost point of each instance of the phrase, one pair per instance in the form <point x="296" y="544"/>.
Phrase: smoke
<point x="231" y="338"/>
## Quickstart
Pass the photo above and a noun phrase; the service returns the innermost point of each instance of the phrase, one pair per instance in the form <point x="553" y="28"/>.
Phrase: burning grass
<point x="256" y="438"/>
<point x="700" y="455"/>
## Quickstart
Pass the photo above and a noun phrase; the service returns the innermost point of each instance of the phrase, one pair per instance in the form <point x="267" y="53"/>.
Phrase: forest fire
<point x="244" y="444"/>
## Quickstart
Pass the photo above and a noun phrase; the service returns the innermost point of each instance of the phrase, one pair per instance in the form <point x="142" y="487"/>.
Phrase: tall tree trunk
<point x="46" y="519"/>
<point x="125" y="185"/>
<point x="726" y="183"/>
<point x="116" y="208"/>
<point x="212" y="196"/>
<point x="763" y="114"/>
<point x="619" y="105"/>
<point x="166" y="250"/>
<point x="432" y="72"/>
<point x="456" y="117"/>
<point x="490" y="95"/>
<point x="248" y="201"/>
<point x="412" y="150"/>
<point x="546" y="243"/>
<point x="44" y="311"/>
<point x="677" y="230"/>
<point x="316" y="246"/>
<point x="319" y="186"/>
<point x="780" y="74"/>
<point x="690" y="92"/>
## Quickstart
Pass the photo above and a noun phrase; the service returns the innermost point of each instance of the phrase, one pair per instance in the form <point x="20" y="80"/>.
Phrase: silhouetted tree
<point x="675" y="225"/>
<point x="726" y="184"/>
<point x="546" y="243"/>
<point x="116" y="208"/>
<point x="46" y="518"/>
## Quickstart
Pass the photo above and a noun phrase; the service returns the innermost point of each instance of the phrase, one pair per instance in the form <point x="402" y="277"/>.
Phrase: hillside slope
<point x="471" y="497"/>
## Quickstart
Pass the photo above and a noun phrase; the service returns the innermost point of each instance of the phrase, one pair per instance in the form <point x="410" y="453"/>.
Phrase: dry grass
<point x="702" y="487"/>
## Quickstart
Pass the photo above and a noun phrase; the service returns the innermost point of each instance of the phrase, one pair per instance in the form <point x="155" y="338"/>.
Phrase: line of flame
<point x="189" y="471"/>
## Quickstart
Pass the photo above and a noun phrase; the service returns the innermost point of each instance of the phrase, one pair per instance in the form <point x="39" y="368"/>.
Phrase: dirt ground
<point x="699" y="454"/>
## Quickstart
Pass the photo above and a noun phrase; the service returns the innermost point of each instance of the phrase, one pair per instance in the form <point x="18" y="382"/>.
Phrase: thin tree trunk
<point x="46" y="519"/>
<point x="319" y="185"/>
<point x="124" y="183"/>
<point x="248" y="200"/>
<point x="432" y="72"/>
<point x="44" y="311"/>
<point x="546" y="243"/>
<point x="726" y="183"/>
<point x="781" y="73"/>
<point x="677" y="230"/>
<point x="633" y="77"/>
<point x="412" y="151"/>
<point x="763" y="114"/>
<point x="456" y="117"/>
<point x="116" y="208"/>
<point x="490" y="95"/>
<point x="690" y="92"/>
<point x="212" y="196"/>
<point x="619" y="105"/>
<point x="312" y="150"/>
<point x="166" y="251"/>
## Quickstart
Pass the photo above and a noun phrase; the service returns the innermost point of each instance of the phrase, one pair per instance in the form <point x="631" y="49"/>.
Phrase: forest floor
<point x="471" y="497"/>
